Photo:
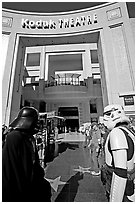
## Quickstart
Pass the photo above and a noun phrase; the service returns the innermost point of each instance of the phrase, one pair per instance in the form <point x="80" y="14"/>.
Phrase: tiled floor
<point x="68" y="183"/>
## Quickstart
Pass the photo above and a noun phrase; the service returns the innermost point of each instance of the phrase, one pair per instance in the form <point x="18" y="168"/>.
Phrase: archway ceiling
<point x="75" y="39"/>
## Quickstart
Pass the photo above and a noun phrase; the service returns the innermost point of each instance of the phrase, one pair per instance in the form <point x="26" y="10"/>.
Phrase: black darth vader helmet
<point x="27" y="119"/>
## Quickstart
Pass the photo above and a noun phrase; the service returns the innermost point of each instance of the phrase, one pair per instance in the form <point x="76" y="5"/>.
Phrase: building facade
<point x="73" y="63"/>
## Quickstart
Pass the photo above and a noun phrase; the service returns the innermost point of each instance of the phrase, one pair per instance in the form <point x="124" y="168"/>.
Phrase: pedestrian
<point x="56" y="151"/>
<point x="87" y="136"/>
<point x="118" y="173"/>
<point x="65" y="130"/>
<point x="94" y="145"/>
<point x="56" y="133"/>
<point x="82" y="129"/>
<point x="104" y="133"/>
<point x="22" y="176"/>
<point x="69" y="129"/>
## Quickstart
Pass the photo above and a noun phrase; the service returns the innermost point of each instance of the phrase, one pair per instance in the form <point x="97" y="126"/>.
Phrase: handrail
<point x="72" y="83"/>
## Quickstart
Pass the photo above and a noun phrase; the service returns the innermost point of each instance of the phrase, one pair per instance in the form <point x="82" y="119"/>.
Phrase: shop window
<point x="93" y="108"/>
<point x="33" y="59"/>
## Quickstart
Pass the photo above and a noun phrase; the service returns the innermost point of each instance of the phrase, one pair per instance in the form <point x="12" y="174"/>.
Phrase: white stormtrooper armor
<point x="114" y="114"/>
<point x="119" y="152"/>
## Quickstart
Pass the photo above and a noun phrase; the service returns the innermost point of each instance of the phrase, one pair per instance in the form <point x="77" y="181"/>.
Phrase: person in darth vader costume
<point x="22" y="176"/>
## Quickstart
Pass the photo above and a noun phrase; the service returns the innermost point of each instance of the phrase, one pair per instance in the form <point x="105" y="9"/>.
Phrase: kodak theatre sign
<point x="60" y="23"/>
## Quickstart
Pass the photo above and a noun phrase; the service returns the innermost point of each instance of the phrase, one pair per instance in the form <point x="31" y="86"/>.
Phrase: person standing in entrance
<point x="22" y="176"/>
<point x="94" y="146"/>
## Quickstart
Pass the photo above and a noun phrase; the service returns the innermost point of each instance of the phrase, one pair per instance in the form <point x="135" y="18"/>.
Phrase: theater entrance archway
<point x="23" y="41"/>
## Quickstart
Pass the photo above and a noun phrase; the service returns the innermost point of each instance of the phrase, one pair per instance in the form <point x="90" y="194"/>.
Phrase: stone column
<point x="15" y="89"/>
<point x="129" y="39"/>
<point x="42" y="63"/>
<point x="46" y="67"/>
<point x="42" y="72"/>
<point x="8" y="78"/>
<point x="86" y="60"/>
<point x="109" y="67"/>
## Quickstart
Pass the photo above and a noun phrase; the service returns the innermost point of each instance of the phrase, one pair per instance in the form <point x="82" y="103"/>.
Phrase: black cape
<point x="22" y="176"/>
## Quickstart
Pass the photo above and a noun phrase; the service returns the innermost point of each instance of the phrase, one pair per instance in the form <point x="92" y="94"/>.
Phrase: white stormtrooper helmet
<point x="114" y="114"/>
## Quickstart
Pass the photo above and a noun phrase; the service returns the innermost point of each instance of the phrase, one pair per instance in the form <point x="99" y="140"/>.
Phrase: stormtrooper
<point x="118" y="173"/>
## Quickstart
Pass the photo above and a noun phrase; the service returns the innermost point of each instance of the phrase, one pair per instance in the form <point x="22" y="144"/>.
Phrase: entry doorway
<point x="72" y="125"/>
<point x="71" y="116"/>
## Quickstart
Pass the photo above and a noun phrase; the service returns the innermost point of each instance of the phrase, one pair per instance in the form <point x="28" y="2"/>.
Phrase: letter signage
<point x="60" y="23"/>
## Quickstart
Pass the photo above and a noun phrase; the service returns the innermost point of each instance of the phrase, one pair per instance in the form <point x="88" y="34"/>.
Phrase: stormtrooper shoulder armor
<point x="118" y="139"/>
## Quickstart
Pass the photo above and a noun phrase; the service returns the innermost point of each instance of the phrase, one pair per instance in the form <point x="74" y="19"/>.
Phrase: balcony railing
<point x="56" y="83"/>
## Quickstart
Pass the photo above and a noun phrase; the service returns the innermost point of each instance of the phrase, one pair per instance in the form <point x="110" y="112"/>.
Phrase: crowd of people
<point x="23" y="175"/>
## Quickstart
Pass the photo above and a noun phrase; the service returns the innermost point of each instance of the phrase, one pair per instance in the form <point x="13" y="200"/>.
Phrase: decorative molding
<point x="7" y="21"/>
<point x="113" y="14"/>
